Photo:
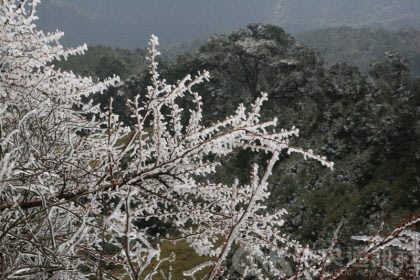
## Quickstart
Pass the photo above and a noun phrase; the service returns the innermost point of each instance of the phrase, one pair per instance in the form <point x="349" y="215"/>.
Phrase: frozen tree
<point x="75" y="181"/>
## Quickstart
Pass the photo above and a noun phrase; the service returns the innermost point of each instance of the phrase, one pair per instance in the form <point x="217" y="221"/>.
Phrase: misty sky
<point x="129" y="23"/>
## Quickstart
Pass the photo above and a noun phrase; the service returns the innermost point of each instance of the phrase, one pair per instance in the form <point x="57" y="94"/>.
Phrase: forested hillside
<point x="368" y="124"/>
<point x="364" y="46"/>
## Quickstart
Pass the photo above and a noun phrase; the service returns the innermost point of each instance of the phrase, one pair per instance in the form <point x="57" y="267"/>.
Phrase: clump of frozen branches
<point x="402" y="258"/>
<point x="75" y="181"/>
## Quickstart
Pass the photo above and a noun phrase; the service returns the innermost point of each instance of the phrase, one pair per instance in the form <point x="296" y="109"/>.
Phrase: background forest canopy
<point x="363" y="115"/>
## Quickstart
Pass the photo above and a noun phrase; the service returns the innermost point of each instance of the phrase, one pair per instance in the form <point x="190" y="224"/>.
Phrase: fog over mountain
<point x="128" y="23"/>
<point x="304" y="15"/>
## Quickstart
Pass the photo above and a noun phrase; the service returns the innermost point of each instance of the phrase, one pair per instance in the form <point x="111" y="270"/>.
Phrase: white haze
<point x="128" y="23"/>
